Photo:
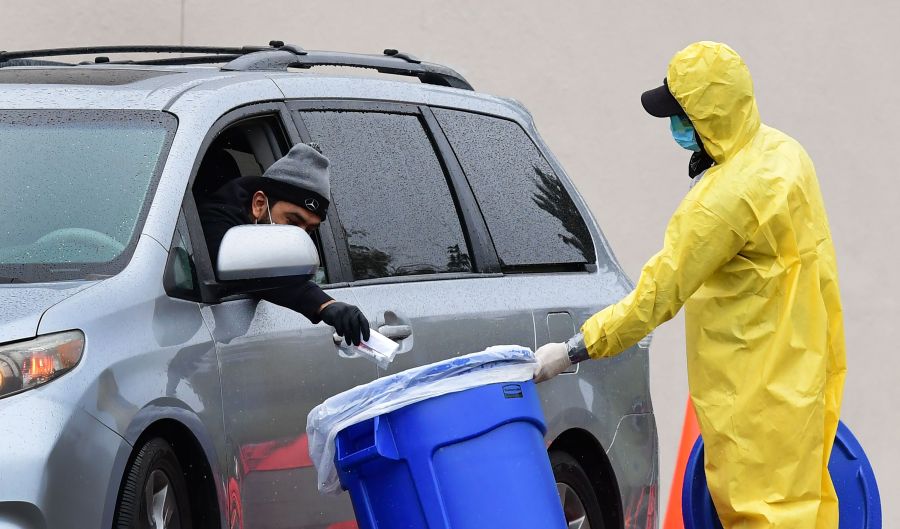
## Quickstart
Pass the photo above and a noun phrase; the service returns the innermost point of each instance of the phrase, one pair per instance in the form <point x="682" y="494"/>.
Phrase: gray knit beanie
<point x="302" y="176"/>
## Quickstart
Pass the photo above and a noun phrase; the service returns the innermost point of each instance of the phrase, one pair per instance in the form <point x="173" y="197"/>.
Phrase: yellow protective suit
<point x="749" y="254"/>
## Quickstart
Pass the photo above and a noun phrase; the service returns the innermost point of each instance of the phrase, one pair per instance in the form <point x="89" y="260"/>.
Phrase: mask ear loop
<point x="268" y="212"/>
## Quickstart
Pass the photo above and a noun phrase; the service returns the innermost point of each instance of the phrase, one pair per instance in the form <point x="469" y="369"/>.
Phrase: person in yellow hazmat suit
<point x="749" y="255"/>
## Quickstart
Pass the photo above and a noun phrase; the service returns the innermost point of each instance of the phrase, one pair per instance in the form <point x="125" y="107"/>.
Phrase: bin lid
<point x="851" y="473"/>
<point x="503" y="363"/>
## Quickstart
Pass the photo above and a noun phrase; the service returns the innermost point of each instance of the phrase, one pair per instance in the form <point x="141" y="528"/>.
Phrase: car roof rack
<point x="92" y="50"/>
<point x="274" y="57"/>
<point x="391" y="62"/>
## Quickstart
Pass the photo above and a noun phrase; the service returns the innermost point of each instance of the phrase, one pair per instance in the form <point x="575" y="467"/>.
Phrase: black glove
<point x="347" y="320"/>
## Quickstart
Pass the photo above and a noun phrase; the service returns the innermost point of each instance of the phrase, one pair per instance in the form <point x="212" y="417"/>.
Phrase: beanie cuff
<point x="304" y="198"/>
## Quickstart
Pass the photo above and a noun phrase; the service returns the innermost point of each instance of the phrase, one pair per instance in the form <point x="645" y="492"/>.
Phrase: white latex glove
<point x="553" y="359"/>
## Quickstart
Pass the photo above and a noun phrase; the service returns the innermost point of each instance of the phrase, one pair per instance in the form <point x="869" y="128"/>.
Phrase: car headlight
<point x="28" y="364"/>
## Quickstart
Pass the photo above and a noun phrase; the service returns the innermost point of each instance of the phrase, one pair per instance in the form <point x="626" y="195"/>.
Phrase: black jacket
<point x="228" y="207"/>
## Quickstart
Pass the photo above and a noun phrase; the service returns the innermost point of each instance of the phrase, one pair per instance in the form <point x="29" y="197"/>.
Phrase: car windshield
<point x="74" y="189"/>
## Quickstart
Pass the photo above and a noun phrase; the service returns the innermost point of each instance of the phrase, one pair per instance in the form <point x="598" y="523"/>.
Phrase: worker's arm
<point x="698" y="241"/>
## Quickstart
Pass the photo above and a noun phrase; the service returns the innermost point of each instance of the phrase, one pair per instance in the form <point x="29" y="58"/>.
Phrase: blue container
<point x="851" y="473"/>
<point x="468" y="460"/>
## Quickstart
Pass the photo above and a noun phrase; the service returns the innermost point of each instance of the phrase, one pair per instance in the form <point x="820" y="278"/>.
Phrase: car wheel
<point x="154" y="494"/>
<point x="580" y="503"/>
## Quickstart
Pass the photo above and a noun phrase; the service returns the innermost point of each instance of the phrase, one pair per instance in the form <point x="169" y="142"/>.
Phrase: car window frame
<point x="568" y="186"/>
<point x="173" y="290"/>
<point x="211" y="289"/>
<point x="475" y="233"/>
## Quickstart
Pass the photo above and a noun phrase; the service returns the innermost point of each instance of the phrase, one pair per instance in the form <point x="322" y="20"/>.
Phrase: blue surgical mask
<point x="683" y="132"/>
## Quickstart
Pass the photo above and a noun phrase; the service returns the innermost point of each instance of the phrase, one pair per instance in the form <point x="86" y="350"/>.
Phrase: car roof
<point x="122" y="86"/>
<point x="101" y="87"/>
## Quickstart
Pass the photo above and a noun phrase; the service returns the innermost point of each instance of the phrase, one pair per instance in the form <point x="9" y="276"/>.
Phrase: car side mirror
<point x="262" y="256"/>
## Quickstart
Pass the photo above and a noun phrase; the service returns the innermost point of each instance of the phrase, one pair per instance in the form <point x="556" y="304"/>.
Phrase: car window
<point x="243" y="149"/>
<point x="391" y="194"/>
<point x="74" y="186"/>
<point x="530" y="215"/>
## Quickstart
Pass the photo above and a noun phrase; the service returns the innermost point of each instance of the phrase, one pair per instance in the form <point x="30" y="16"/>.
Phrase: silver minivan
<point x="138" y="389"/>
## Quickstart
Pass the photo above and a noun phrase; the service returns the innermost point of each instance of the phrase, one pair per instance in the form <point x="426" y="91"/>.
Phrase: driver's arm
<point x="306" y="298"/>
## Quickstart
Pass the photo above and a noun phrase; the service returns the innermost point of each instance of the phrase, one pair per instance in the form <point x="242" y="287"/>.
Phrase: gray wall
<point x="826" y="75"/>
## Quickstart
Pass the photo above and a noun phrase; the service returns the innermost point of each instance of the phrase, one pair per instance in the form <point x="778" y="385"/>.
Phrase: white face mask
<point x="268" y="212"/>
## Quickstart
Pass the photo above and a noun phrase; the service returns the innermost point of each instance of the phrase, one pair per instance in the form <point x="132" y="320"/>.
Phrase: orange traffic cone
<point x="689" y="433"/>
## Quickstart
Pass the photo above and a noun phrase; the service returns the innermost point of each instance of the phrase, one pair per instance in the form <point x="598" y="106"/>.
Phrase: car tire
<point x="154" y="492"/>
<point x="580" y="503"/>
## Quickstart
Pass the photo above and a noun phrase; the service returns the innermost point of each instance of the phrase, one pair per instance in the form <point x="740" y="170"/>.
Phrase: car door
<point x="274" y="364"/>
<point x="544" y="246"/>
<point x="412" y="242"/>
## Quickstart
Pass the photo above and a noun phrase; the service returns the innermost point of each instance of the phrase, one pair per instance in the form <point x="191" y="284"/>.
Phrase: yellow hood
<point x="712" y="84"/>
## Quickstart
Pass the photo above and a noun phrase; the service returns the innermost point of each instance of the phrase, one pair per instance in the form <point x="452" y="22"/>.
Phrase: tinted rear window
<point x="530" y="215"/>
<point x="391" y="194"/>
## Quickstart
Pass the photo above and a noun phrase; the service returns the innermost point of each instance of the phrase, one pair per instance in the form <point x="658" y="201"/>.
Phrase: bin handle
<point x="384" y="438"/>
<point x="381" y="445"/>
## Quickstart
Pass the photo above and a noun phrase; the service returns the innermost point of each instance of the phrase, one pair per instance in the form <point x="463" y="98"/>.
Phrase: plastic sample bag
<point x="378" y="348"/>
<point x="503" y="363"/>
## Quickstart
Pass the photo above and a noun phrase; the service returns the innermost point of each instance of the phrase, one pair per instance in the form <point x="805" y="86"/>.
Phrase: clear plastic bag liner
<point x="502" y="363"/>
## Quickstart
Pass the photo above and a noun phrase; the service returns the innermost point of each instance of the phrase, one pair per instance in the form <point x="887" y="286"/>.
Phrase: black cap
<point x="660" y="102"/>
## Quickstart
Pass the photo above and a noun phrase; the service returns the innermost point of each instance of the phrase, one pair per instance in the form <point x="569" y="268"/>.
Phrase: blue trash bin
<point x="467" y="460"/>
<point x="859" y="502"/>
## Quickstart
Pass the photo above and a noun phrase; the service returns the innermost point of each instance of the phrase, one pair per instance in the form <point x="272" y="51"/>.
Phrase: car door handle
<point x="396" y="332"/>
